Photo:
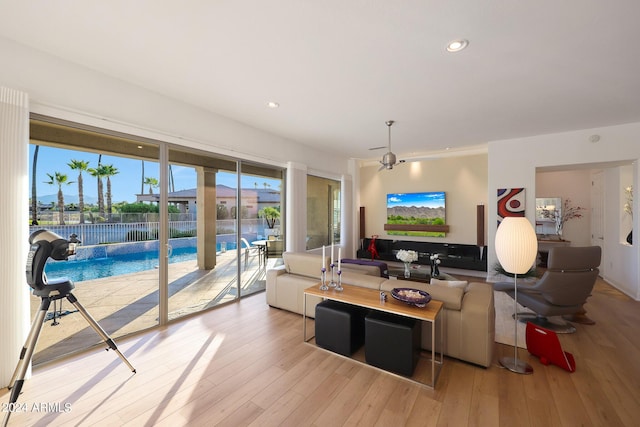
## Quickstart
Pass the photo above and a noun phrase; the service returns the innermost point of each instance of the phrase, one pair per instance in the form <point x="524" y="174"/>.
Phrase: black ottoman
<point x="392" y="342"/>
<point x="339" y="327"/>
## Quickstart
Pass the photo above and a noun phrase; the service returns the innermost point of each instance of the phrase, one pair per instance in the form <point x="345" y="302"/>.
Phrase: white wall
<point x="463" y="179"/>
<point x="513" y="163"/>
<point x="72" y="92"/>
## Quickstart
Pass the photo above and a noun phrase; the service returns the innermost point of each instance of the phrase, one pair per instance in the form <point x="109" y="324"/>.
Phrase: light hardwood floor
<point x="246" y="364"/>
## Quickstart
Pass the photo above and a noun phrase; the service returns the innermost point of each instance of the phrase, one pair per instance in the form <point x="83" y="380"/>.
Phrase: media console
<point x="453" y="255"/>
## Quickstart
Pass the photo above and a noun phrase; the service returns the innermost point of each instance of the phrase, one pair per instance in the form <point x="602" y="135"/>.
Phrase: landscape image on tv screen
<point x="416" y="208"/>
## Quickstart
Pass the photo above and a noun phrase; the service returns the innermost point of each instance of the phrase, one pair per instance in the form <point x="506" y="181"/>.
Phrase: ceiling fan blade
<point x="377" y="148"/>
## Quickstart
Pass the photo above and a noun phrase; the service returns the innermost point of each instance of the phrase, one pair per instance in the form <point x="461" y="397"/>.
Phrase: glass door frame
<point x="163" y="237"/>
<point x="164" y="148"/>
<point x="240" y="204"/>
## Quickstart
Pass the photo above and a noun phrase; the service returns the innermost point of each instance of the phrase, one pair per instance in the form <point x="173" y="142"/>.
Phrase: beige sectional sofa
<point x="469" y="313"/>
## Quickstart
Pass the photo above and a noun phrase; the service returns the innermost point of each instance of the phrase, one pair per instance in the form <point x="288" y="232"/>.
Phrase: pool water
<point x="96" y="268"/>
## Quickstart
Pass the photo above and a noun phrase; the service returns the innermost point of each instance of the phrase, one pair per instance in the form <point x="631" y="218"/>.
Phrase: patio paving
<point x="128" y="303"/>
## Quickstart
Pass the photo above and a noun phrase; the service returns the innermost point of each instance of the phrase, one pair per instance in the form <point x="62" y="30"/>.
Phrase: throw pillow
<point x="451" y="283"/>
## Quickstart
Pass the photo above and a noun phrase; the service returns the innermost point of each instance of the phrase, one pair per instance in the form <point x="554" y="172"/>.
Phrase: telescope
<point x="45" y="244"/>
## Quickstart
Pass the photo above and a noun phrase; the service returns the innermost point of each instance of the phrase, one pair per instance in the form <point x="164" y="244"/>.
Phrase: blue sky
<point x="427" y="200"/>
<point x="127" y="183"/>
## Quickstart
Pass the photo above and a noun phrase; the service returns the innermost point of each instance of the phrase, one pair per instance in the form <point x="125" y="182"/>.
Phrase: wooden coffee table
<point x="370" y="298"/>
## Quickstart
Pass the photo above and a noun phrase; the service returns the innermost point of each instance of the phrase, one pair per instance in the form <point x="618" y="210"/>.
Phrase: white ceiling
<point x="341" y="68"/>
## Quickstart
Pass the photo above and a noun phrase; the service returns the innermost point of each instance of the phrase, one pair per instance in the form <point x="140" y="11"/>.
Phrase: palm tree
<point x="109" y="171"/>
<point x="270" y="214"/>
<point x="59" y="179"/>
<point x="34" y="191"/>
<point x="80" y="165"/>
<point x="98" y="173"/>
<point x="152" y="183"/>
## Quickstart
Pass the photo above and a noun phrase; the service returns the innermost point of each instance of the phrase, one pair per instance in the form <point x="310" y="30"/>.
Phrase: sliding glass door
<point x="166" y="231"/>
<point x="228" y="222"/>
<point x="100" y="189"/>
<point x="202" y="261"/>
<point x="261" y="224"/>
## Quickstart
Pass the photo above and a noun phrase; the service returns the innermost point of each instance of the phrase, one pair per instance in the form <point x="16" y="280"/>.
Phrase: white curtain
<point x="14" y="227"/>
<point x="296" y="207"/>
<point x="346" y="217"/>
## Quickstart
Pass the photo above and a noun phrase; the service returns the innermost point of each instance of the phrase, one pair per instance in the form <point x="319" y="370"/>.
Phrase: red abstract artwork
<point x="510" y="202"/>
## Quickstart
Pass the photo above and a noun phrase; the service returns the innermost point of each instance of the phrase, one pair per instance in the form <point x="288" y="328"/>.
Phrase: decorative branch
<point x="628" y="206"/>
<point x="563" y="215"/>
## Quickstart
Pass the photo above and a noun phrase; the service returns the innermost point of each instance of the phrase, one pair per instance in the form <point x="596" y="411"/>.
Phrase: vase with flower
<point x="407" y="257"/>
<point x="566" y="213"/>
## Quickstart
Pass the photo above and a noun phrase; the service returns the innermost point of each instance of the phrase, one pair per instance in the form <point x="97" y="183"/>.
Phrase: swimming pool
<point x="98" y="261"/>
<point x="96" y="268"/>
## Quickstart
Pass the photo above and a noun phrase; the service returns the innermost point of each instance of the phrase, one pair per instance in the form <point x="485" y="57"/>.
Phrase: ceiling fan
<point x="389" y="159"/>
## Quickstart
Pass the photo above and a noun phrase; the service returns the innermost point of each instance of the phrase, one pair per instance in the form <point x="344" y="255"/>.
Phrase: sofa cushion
<point x="290" y="294"/>
<point x="379" y="268"/>
<point x="370" y="270"/>
<point x="462" y="284"/>
<point x="361" y="280"/>
<point x="304" y="264"/>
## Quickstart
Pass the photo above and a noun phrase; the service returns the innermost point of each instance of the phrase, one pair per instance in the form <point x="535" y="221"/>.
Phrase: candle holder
<point x="339" y="287"/>
<point x="332" y="283"/>
<point x="323" y="279"/>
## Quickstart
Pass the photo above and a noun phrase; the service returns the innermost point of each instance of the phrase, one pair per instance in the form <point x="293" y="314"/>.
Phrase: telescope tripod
<point x="59" y="291"/>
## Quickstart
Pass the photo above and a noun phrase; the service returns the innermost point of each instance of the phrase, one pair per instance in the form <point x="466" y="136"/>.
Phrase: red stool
<point x="544" y="344"/>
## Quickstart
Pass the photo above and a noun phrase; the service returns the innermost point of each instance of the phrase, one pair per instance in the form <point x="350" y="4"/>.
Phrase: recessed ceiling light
<point x="457" y="45"/>
<point x="272" y="104"/>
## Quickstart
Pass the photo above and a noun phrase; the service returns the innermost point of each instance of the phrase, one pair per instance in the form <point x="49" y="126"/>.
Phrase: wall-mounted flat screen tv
<point x="416" y="208"/>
